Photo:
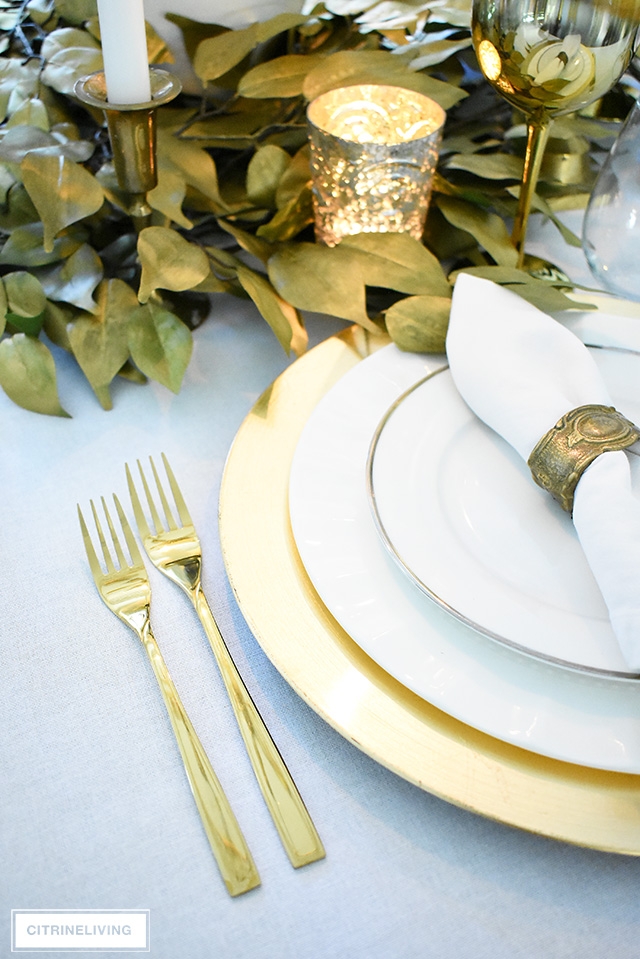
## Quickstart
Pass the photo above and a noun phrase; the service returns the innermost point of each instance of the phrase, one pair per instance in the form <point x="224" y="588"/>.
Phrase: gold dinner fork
<point x="127" y="593"/>
<point x="176" y="552"/>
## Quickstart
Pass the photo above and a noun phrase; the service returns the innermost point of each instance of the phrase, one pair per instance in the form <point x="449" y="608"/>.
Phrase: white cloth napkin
<point x="520" y="371"/>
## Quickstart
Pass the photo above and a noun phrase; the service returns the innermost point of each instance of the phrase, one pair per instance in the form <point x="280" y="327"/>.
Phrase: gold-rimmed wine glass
<point x="548" y="58"/>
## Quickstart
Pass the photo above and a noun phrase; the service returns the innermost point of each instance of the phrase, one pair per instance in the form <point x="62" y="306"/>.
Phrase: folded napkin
<point x="520" y="371"/>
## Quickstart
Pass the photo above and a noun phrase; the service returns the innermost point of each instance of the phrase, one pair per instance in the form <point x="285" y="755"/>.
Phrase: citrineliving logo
<point x="75" y="930"/>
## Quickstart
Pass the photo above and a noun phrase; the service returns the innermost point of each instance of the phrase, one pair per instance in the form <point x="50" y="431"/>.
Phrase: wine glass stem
<point x="538" y="134"/>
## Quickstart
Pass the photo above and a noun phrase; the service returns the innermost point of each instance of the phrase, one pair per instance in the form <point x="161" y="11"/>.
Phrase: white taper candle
<point x="124" y="49"/>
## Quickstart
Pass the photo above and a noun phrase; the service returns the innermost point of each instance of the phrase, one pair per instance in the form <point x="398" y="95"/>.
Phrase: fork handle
<point x="223" y="832"/>
<point x="289" y="813"/>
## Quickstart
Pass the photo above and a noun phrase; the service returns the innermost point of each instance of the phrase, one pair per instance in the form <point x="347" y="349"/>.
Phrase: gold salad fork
<point x="127" y="593"/>
<point x="175" y="551"/>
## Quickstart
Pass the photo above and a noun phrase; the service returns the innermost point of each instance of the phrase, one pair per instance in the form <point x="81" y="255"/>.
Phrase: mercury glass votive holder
<point x="374" y="150"/>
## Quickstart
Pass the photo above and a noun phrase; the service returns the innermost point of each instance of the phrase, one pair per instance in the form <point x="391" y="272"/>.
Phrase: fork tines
<point x="94" y="563"/>
<point x="183" y="512"/>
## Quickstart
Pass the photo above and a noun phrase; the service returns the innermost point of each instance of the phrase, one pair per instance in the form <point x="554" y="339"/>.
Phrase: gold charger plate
<point x="589" y="807"/>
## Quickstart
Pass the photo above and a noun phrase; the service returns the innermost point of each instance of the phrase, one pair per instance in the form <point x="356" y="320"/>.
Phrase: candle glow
<point x="374" y="150"/>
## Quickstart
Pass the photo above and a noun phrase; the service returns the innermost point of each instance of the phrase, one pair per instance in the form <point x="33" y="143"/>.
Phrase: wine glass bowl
<point x="548" y="58"/>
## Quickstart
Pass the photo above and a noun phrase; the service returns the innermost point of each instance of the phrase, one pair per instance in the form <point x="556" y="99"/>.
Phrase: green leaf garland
<point x="233" y="208"/>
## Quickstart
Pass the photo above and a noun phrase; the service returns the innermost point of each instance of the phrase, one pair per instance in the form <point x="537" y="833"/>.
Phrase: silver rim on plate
<point x="428" y="591"/>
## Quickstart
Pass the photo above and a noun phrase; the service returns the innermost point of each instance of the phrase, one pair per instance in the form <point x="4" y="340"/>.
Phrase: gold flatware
<point x="175" y="551"/>
<point x="127" y="593"/>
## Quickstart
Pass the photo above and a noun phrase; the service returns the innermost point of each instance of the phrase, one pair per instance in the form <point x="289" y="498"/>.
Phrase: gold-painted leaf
<point x="24" y="247"/>
<point x="547" y="294"/>
<point x="158" y="51"/>
<point x="189" y="160"/>
<point x="31" y="113"/>
<point x="548" y="297"/>
<point x="18" y="209"/>
<point x="16" y="101"/>
<point x="487" y="228"/>
<point x="28" y="375"/>
<point x="282" y="77"/>
<point x="321" y="279"/>
<point x="215" y="56"/>
<point x="283" y="318"/>
<point x="497" y="274"/>
<point x="169" y="262"/>
<point x="466" y="142"/>
<point x="100" y="343"/>
<point x="40" y="10"/>
<point x="290" y="219"/>
<point x="132" y="374"/>
<point x="56" y="323"/>
<point x="9" y="19"/>
<point x="264" y="173"/>
<point x="7" y="180"/>
<point x="539" y="203"/>
<point x="399" y="262"/>
<point x="26" y="302"/>
<point x="252" y="244"/>
<point x="194" y="32"/>
<point x="212" y="284"/>
<point x="69" y="54"/>
<point x="455" y="12"/>
<point x="384" y="15"/>
<point x="237" y="127"/>
<point x="20" y="140"/>
<point x="223" y="263"/>
<point x="169" y="195"/>
<point x="437" y="51"/>
<point x="568" y="201"/>
<point x="160" y="345"/>
<point x="17" y="79"/>
<point x="74" y="280"/>
<point x="418" y="324"/>
<point x="3" y="308"/>
<point x="349" y="67"/>
<point x="492" y="166"/>
<point x="296" y="177"/>
<point x="77" y="11"/>
<point x="62" y="192"/>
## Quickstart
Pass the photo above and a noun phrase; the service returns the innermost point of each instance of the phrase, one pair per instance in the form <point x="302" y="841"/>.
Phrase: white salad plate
<point x="521" y="697"/>
<point x="457" y="509"/>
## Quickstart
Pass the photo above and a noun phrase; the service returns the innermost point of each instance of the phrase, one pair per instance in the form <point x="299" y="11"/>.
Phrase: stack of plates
<point x="442" y="616"/>
<point x="404" y="505"/>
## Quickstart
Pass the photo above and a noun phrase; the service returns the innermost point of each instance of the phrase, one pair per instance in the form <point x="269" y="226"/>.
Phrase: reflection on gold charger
<point x="381" y="717"/>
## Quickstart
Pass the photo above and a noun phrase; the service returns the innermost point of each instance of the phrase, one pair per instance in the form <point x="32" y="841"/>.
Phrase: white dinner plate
<point x="566" y="714"/>
<point x="457" y="509"/>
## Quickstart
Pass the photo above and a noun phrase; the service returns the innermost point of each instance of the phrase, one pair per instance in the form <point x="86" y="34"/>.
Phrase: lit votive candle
<point x="374" y="150"/>
<point x="124" y="51"/>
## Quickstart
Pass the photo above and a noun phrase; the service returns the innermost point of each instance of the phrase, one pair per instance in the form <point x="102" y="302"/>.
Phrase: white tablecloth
<point x="95" y="809"/>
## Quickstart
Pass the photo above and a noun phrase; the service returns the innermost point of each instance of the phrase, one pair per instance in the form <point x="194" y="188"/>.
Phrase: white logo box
<point x="80" y="930"/>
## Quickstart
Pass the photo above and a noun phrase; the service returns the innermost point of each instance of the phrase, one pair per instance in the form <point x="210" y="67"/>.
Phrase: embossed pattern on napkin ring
<point x="560" y="458"/>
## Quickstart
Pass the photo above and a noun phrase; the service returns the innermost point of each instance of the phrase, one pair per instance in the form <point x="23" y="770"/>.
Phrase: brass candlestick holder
<point x="132" y="132"/>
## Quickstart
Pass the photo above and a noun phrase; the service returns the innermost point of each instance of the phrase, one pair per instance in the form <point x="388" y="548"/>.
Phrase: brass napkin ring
<point x="560" y="458"/>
